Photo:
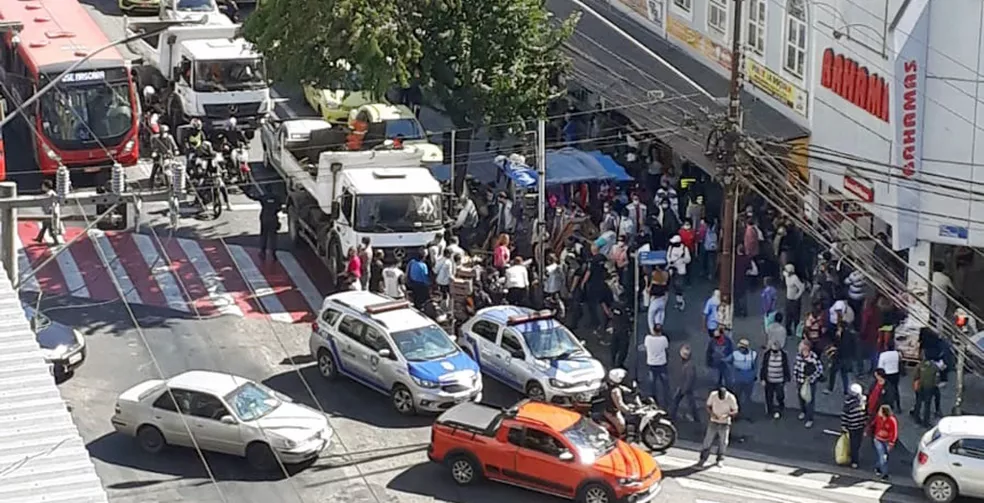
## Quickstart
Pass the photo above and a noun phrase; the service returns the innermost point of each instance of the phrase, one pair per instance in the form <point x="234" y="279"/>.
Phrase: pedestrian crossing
<point x="203" y="277"/>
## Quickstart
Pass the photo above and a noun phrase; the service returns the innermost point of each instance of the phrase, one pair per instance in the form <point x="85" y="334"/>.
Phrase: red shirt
<point x="886" y="429"/>
<point x="689" y="238"/>
<point x="355" y="266"/>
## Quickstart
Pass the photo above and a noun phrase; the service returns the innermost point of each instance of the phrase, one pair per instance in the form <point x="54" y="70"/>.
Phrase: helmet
<point x="616" y="376"/>
<point x="232" y="122"/>
<point x="165" y="128"/>
<point x="196" y="123"/>
<point x="149" y="92"/>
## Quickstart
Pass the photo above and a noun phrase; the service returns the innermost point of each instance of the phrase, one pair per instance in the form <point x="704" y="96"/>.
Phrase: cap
<point x="675" y="240"/>
<point x="790" y="268"/>
<point x="743" y="343"/>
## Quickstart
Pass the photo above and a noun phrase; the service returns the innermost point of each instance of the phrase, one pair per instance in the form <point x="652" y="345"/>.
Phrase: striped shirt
<point x="856" y="285"/>
<point x="775" y="374"/>
<point x="800" y="368"/>
<point x="853" y="416"/>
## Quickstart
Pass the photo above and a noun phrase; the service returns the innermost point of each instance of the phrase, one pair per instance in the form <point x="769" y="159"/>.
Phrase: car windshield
<point x="80" y="115"/>
<point x="409" y="129"/>
<point x="590" y="440"/>
<point x="549" y="340"/>
<point x="424" y="344"/>
<point x="398" y="213"/>
<point x="252" y="401"/>
<point x="230" y="75"/>
<point x="196" y="5"/>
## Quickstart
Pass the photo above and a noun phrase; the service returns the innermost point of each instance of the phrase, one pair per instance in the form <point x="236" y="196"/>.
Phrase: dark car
<point x="63" y="346"/>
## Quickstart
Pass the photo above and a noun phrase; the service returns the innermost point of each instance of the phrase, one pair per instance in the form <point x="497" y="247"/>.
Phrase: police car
<point x="390" y="347"/>
<point x="532" y="352"/>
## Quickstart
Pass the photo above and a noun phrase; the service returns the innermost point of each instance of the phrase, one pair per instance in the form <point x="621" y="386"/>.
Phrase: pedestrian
<point x="553" y="285"/>
<point x="418" y="279"/>
<point x="722" y="407"/>
<point x="743" y="276"/>
<point x="720" y="351"/>
<point x="365" y="260"/>
<point x="50" y="225"/>
<point x="886" y="433"/>
<point x="940" y="290"/>
<point x="659" y="289"/>
<point x="688" y="237"/>
<point x="774" y="374"/>
<point x="500" y="255"/>
<point x="609" y="219"/>
<point x="711" y="322"/>
<point x="354" y="266"/>
<point x="621" y="334"/>
<point x="840" y="355"/>
<point x="637" y="211"/>
<point x="840" y="311"/>
<point x="776" y="331"/>
<point x="806" y="372"/>
<point x="394" y="280"/>
<point x="814" y="327"/>
<point x="435" y="250"/>
<point x="857" y="287"/>
<point x="854" y="420"/>
<point x="455" y="247"/>
<point x="744" y="362"/>
<point x="505" y="219"/>
<point x="881" y="393"/>
<point x="376" y="271"/>
<point x="677" y="257"/>
<point x="695" y="210"/>
<point x="794" y="295"/>
<point x="890" y="362"/>
<point x="710" y="248"/>
<point x="517" y="282"/>
<point x="687" y="387"/>
<point x="594" y="288"/>
<point x="444" y="271"/>
<point x="769" y="300"/>
<point x="926" y="385"/>
<point x="657" y="346"/>
<point x="269" y="224"/>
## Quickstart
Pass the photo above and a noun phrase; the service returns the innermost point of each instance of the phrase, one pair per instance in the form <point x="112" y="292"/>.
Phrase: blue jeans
<point x="808" y="408"/>
<point x="743" y="392"/>
<point x="724" y="375"/>
<point x="661" y="391"/>
<point x="881" y="456"/>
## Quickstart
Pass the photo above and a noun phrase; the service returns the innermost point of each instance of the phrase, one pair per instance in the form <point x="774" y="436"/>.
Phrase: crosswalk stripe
<point x="161" y="271"/>
<point x="221" y="299"/>
<point x="70" y="270"/>
<point x="91" y="266"/>
<point x="111" y="261"/>
<point x="49" y="277"/>
<point x="30" y="281"/>
<point x="258" y="284"/>
<point x="742" y="492"/>
<point x="301" y="280"/>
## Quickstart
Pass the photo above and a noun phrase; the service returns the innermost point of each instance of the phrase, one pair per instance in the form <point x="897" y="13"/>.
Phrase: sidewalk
<point x="785" y="438"/>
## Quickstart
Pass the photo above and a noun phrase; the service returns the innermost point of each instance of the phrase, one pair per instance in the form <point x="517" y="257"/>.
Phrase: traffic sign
<point x="652" y="257"/>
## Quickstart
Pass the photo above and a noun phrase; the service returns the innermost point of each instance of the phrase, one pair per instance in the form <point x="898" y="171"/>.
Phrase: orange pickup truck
<point x="544" y="448"/>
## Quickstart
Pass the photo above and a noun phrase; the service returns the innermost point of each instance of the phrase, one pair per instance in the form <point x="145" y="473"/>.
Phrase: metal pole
<point x="961" y="350"/>
<point x="634" y="345"/>
<point x="454" y="141"/>
<point x="8" y="231"/>
<point x="730" y="161"/>
<point x="541" y="196"/>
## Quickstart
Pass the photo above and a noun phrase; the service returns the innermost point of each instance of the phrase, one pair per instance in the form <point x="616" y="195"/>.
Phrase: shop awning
<point x="568" y="165"/>
<point x="612" y="167"/>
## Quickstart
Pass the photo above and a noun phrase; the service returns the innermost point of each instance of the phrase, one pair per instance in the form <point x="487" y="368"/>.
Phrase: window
<point x="348" y="204"/>
<point x="510" y="342"/>
<point x="330" y="316"/>
<point x="717" y="17"/>
<point x="969" y="447"/>
<point x="656" y="11"/>
<point x="252" y="401"/>
<point x="486" y="330"/>
<point x="515" y="436"/>
<point x="373" y="339"/>
<point x="166" y="401"/>
<point x="207" y="406"/>
<point x="757" y="27"/>
<point x="794" y="60"/>
<point x="424" y="343"/>
<point x="351" y="327"/>
<point x="541" y="441"/>
<point x="684" y="5"/>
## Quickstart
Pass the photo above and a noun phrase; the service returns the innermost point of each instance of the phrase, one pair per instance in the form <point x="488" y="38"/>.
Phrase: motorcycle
<point x="239" y="170"/>
<point x="209" y="183"/>
<point x="646" y="422"/>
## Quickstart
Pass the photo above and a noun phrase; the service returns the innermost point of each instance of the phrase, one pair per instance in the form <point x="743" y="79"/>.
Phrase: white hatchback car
<point x="222" y="413"/>
<point x="950" y="461"/>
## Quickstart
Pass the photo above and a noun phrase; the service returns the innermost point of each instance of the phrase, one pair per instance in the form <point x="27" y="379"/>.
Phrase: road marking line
<point x="697" y="485"/>
<point x="261" y="289"/>
<point x="779" y="474"/>
<point x="217" y="294"/>
<point x="30" y="283"/>
<point x="111" y="261"/>
<point x="161" y="270"/>
<point x="301" y="280"/>
<point x="71" y="273"/>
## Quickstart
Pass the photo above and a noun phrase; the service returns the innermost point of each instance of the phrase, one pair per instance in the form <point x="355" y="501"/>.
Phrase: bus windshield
<point x="229" y="75"/>
<point x="73" y="115"/>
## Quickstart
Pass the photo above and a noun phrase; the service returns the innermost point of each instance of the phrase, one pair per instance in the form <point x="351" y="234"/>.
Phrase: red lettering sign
<point x="910" y="117"/>
<point x="853" y="82"/>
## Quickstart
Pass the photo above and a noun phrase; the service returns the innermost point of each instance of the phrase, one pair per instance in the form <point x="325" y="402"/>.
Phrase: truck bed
<point x="473" y="417"/>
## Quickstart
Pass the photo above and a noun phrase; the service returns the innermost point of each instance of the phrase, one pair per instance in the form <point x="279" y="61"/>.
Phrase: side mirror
<point x="336" y="210"/>
<point x="227" y="420"/>
<point x="385" y="353"/>
<point x="566" y="456"/>
<point x="582" y="342"/>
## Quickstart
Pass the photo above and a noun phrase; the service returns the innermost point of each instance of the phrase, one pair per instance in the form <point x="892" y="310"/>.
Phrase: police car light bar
<point x="546" y="314"/>
<point x="385" y="307"/>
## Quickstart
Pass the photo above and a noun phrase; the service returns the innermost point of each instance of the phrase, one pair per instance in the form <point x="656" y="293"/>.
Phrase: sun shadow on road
<point x="421" y="480"/>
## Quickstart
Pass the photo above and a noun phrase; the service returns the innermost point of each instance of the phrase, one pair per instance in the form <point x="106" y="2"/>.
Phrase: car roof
<point x="387" y="112"/>
<point x="501" y="315"/>
<point x="400" y="319"/>
<point x="216" y="383"/>
<point x="962" y="426"/>
<point x="551" y="416"/>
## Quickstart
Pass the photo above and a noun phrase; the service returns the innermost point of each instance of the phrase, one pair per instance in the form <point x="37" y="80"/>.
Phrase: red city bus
<point x="90" y="119"/>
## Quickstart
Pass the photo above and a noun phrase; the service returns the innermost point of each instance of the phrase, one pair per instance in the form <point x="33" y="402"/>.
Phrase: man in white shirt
<point x="517" y="282"/>
<point x="394" y="281"/>
<point x="795" y="288"/>
<point x="455" y="248"/>
<point x="889" y="361"/>
<point x="444" y="273"/>
<point x="939" y="302"/>
<point x="435" y="249"/>
<point x="657" y="346"/>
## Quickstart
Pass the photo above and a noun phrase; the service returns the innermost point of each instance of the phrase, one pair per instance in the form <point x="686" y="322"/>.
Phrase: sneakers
<point x="808" y="424"/>
<point x="775" y="415"/>
<point x="719" y="463"/>
<point x="854" y="465"/>
<point x="827" y="391"/>
<point x="801" y="416"/>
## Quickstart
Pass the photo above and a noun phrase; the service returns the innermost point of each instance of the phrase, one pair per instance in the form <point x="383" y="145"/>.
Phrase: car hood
<point x="627" y="461"/>
<point x="57" y="334"/>
<point x="576" y="369"/>
<point x="432" y="153"/>
<point x="293" y="421"/>
<point x="458" y="367"/>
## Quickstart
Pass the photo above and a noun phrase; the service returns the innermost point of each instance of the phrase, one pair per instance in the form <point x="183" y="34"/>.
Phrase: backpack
<point x="928" y="376"/>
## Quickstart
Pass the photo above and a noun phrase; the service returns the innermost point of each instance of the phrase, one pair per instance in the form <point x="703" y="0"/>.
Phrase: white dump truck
<point x="203" y="71"/>
<point x="337" y="197"/>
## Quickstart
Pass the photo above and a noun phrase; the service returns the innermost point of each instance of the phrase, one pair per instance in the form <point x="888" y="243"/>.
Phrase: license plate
<point x="72" y="360"/>
<point x="91" y="170"/>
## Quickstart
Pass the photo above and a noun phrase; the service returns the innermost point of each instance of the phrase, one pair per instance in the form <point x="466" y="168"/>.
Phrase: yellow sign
<point x="718" y="53"/>
<point x="775" y="86"/>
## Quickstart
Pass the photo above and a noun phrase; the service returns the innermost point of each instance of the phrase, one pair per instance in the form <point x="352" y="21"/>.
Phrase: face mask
<point x="744" y="351"/>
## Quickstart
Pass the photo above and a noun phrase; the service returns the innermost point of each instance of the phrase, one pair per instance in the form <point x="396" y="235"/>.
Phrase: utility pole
<point x="729" y="158"/>
<point x="540" y="228"/>
<point x="8" y="231"/>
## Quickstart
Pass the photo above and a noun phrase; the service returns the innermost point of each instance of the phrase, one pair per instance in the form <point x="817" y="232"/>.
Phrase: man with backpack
<point x="927" y="389"/>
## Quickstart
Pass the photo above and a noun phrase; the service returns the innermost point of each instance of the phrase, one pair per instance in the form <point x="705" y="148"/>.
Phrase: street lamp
<point x="845" y="29"/>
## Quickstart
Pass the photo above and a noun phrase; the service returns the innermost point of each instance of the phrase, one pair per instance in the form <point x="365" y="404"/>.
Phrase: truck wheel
<point x="595" y="492"/>
<point x="334" y="256"/>
<point x="464" y="470"/>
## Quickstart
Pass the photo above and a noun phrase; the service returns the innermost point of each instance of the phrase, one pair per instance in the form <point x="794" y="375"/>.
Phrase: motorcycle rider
<point x="616" y="403"/>
<point x="194" y="141"/>
<point x="164" y="146"/>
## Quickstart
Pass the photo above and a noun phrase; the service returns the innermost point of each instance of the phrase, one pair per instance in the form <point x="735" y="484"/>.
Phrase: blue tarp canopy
<point x="613" y="168"/>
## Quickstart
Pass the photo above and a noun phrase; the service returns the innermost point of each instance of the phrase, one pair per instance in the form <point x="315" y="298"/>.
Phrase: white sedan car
<point x="222" y="413"/>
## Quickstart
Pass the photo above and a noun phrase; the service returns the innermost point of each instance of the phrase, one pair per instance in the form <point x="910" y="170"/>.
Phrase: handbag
<point x="842" y="449"/>
<point x="806" y="391"/>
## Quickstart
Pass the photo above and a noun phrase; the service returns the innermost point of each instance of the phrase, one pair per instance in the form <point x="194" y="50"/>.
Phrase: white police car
<point x="390" y="347"/>
<point x="532" y="352"/>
